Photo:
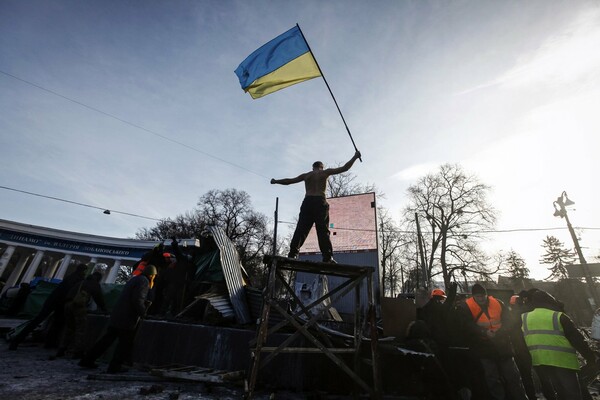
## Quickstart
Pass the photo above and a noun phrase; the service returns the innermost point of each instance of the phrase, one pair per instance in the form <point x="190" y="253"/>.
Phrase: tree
<point x="345" y="184"/>
<point x="515" y="265"/>
<point x="453" y="212"/>
<point x="557" y="256"/>
<point x="232" y="211"/>
<point x="390" y="242"/>
<point x="390" y="239"/>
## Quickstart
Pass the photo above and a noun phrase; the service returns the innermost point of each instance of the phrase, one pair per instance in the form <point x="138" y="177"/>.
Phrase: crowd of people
<point x="156" y="287"/>
<point x="486" y="349"/>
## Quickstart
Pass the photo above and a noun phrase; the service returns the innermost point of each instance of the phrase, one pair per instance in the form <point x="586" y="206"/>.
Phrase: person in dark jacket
<point x="176" y="276"/>
<point x="19" y="300"/>
<point x="54" y="304"/>
<point x="437" y="314"/>
<point x="76" y="309"/>
<point x="130" y="308"/>
<point x="522" y="356"/>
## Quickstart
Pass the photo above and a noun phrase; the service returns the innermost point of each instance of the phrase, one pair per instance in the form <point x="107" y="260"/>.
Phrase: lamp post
<point x="560" y="211"/>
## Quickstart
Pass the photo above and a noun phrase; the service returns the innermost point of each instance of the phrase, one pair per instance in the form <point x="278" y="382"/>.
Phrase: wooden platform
<point x="307" y="325"/>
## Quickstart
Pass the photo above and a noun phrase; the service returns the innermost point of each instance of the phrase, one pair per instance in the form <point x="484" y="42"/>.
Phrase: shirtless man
<point x="315" y="209"/>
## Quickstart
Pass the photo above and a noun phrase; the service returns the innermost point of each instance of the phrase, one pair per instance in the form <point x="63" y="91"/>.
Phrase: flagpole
<point x="330" y="92"/>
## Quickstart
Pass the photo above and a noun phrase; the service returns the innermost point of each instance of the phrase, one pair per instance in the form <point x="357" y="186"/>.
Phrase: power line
<point x="472" y="232"/>
<point x="79" y="204"/>
<point x="282" y="222"/>
<point x="130" y="123"/>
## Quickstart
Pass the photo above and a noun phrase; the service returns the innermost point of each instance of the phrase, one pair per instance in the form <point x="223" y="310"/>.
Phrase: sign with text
<point x="33" y="240"/>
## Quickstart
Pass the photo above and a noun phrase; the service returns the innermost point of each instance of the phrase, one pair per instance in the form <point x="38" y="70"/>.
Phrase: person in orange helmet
<point x="437" y="314"/>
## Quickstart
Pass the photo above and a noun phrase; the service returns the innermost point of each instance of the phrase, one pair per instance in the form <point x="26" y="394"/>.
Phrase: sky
<point x="133" y="106"/>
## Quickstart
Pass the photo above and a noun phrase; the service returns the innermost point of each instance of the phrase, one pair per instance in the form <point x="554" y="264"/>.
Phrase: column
<point x="35" y="263"/>
<point x="6" y="256"/>
<point x="14" y="276"/>
<point x="113" y="272"/>
<point x="51" y="269"/>
<point x="93" y="261"/>
<point x="64" y="265"/>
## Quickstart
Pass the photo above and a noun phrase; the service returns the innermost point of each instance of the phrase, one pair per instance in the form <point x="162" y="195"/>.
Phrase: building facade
<point x="353" y="233"/>
<point x="28" y="252"/>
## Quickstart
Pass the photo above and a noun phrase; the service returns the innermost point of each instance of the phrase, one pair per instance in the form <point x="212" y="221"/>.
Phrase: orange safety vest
<point x="490" y="319"/>
<point x="142" y="265"/>
<point x="140" y="268"/>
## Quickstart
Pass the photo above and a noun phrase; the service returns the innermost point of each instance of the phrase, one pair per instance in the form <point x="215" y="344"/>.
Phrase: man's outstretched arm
<point x="345" y="167"/>
<point x="288" y="181"/>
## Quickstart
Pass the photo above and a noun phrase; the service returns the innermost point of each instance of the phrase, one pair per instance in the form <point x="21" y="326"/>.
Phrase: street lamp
<point x="560" y="210"/>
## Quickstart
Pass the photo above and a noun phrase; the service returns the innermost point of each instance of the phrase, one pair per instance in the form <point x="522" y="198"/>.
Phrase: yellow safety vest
<point x="546" y="339"/>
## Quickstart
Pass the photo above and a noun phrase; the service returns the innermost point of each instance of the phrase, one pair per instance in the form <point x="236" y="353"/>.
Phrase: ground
<point x="29" y="374"/>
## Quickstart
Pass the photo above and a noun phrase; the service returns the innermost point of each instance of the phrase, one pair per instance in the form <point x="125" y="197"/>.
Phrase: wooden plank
<point x="211" y="377"/>
<point x="124" y="378"/>
<point x="194" y="374"/>
<point x="306" y="350"/>
<point x="351" y="271"/>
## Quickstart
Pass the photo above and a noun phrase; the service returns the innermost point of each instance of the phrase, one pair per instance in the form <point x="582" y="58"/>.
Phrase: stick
<point x="330" y="92"/>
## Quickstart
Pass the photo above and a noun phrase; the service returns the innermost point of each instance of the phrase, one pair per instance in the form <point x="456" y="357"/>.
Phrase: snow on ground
<point x="28" y="374"/>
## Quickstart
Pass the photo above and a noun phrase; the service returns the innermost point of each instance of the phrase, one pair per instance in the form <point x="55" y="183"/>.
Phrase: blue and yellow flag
<point x="282" y="62"/>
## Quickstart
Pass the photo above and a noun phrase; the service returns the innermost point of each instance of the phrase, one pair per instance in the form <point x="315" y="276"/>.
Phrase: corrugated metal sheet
<point x="256" y="301"/>
<point x="232" y="269"/>
<point x="221" y="303"/>
<point x="345" y="305"/>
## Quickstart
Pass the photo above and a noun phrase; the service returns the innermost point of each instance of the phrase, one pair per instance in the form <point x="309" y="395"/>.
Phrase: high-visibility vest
<point x="491" y="319"/>
<point x="546" y="341"/>
<point x="140" y="268"/>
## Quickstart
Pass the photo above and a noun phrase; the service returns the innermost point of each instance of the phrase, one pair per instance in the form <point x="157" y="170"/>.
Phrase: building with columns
<point x="28" y="251"/>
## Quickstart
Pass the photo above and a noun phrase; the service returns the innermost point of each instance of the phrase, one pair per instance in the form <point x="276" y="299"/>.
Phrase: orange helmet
<point x="438" y="292"/>
<point x="514" y="299"/>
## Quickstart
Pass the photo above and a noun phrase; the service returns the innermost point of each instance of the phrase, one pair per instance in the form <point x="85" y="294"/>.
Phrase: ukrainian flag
<point x="282" y="62"/>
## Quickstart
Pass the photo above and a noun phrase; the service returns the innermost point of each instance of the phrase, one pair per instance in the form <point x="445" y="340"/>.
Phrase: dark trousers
<point x="526" y="370"/>
<point x="75" y="327"/>
<point x="314" y="210"/>
<point x="122" y="352"/>
<point x="502" y="377"/>
<point x="558" y="383"/>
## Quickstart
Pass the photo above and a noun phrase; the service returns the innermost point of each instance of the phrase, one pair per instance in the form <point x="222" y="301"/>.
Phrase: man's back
<point x="315" y="183"/>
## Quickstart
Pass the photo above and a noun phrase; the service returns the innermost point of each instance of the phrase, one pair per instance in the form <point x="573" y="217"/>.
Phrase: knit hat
<point x="478" y="289"/>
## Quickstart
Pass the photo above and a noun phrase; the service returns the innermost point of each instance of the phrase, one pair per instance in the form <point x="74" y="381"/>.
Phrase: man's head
<point x="150" y="272"/>
<point x="479" y="294"/>
<point x="317" y="165"/>
<point x="438" y="294"/>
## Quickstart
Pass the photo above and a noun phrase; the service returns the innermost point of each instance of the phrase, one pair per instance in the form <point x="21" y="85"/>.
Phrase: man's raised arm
<point x="345" y="167"/>
<point x="288" y="181"/>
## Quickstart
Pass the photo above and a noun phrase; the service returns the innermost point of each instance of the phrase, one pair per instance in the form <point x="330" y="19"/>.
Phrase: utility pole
<point x="562" y="201"/>
<point x="421" y="253"/>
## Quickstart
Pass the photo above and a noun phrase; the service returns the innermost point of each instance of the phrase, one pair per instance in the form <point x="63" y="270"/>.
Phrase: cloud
<point x="564" y="58"/>
<point x="415" y="172"/>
